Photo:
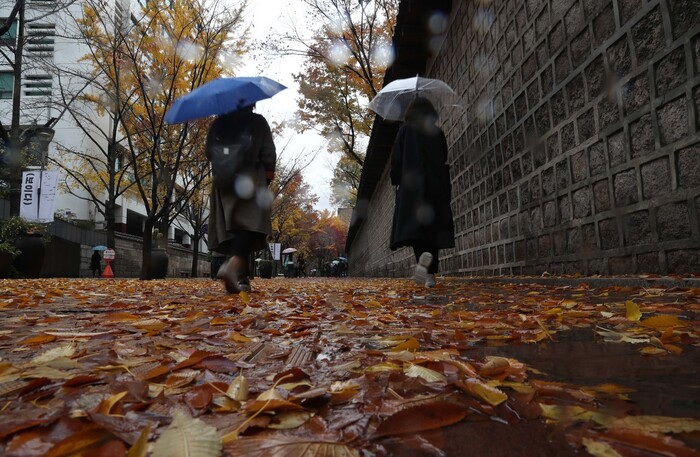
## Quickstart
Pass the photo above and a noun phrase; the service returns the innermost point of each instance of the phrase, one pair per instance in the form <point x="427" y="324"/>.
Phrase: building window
<point x="40" y="40"/>
<point x="9" y="38"/>
<point x="37" y="85"/>
<point x="7" y="80"/>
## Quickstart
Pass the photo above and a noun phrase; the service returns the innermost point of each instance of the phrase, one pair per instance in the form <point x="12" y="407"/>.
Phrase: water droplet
<point x="437" y="23"/>
<point x="263" y="198"/>
<point x="339" y="54"/>
<point x="383" y="55"/>
<point x="244" y="187"/>
<point x="425" y="214"/>
<point x="483" y="20"/>
<point x="188" y="50"/>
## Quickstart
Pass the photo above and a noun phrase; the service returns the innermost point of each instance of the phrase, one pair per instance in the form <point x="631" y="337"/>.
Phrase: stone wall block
<point x="642" y="136"/>
<point x="604" y="25"/>
<point x="648" y="36"/>
<point x="586" y="125"/>
<point x="596" y="157"/>
<point x="581" y="48"/>
<point x="562" y="174"/>
<point x="609" y="235"/>
<point x="670" y="72"/>
<point x="620" y="57"/>
<point x="625" y="188"/>
<point x="574" y="19"/>
<point x="575" y="93"/>
<point x="591" y="8"/>
<point x="579" y="166"/>
<point x="582" y="202"/>
<point x="635" y="93"/>
<point x="562" y="67"/>
<point x="685" y="14"/>
<point x="673" y="221"/>
<point x="688" y="160"/>
<point x="616" y="148"/>
<point x="656" y="178"/>
<point x="601" y="196"/>
<point x="565" y="212"/>
<point x="637" y="229"/>
<point x="595" y="78"/>
<point x="672" y="119"/>
<point x="627" y="9"/>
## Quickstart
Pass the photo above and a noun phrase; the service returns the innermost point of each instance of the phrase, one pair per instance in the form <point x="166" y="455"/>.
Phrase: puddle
<point x="667" y="385"/>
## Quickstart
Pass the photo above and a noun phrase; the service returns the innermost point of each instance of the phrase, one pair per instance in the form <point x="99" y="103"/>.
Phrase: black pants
<point x="420" y="247"/>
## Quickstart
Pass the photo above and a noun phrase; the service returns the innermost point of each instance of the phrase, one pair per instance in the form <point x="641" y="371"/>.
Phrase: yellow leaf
<point x="662" y="321"/>
<point x="107" y="404"/>
<point x="491" y="395"/>
<point x="238" y="390"/>
<point x="140" y="447"/>
<point x="381" y="367"/>
<point x="632" y="310"/>
<point x="65" y="350"/>
<point x="599" y="448"/>
<point x="245" y="298"/>
<point x="219" y="321"/>
<point x="238" y="338"/>
<point x="416" y="371"/>
<point x="410" y="344"/>
<point x="660" y="424"/>
<point x="187" y="437"/>
<point x="290" y="419"/>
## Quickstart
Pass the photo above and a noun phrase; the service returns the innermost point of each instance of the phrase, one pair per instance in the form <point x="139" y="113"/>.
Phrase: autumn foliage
<point x="343" y="366"/>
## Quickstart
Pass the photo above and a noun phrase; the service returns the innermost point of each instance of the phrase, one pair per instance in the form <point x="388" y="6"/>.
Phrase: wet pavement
<point x="558" y="328"/>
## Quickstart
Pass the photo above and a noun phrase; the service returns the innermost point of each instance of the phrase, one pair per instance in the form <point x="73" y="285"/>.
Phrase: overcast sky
<point x="274" y="17"/>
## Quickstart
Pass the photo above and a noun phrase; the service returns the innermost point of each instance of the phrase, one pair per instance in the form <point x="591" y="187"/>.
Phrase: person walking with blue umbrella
<point x="242" y="153"/>
<point x="240" y="207"/>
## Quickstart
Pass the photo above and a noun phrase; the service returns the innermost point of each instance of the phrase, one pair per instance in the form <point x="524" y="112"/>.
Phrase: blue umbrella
<point x="99" y="248"/>
<point x="221" y="96"/>
<point x="343" y="258"/>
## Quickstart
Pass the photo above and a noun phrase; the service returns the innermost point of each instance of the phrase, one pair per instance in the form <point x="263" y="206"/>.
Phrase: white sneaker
<point x="420" y="276"/>
<point x="430" y="282"/>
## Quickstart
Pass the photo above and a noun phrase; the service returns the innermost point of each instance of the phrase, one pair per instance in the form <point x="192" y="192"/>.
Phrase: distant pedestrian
<point x="419" y="170"/>
<point x="96" y="264"/>
<point x="301" y="266"/>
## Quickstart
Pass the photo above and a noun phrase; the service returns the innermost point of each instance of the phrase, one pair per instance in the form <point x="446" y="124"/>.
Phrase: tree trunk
<point x="146" y="253"/>
<point x="195" y="254"/>
<point x="16" y="176"/>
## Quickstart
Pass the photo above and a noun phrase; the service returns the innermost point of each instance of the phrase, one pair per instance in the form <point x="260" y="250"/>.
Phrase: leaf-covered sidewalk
<point x="347" y="367"/>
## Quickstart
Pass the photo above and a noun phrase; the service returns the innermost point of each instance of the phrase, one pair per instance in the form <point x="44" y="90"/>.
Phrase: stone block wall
<point x="578" y="149"/>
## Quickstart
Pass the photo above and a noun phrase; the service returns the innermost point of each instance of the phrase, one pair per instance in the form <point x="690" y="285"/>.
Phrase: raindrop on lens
<point x="383" y="55"/>
<point x="244" y="187"/>
<point x="188" y="50"/>
<point x="263" y="198"/>
<point x="437" y="23"/>
<point x="483" y="20"/>
<point x="339" y="54"/>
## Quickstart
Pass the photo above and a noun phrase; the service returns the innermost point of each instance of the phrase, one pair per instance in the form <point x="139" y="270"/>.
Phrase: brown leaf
<point x="288" y="446"/>
<point x="84" y="439"/>
<point x="416" y="419"/>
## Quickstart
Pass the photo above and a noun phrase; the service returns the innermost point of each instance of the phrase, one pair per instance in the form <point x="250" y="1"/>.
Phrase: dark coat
<point x="230" y="211"/>
<point x="419" y="169"/>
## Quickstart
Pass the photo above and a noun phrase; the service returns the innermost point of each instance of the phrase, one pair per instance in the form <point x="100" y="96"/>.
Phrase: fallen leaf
<point x="288" y="446"/>
<point x="416" y="419"/>
<point x="660" y="424"/>
<point x="632" y="311"/>
<point x="489" y="394"/>
<point x="187" y="437"/>
<point x="416" y="371"/>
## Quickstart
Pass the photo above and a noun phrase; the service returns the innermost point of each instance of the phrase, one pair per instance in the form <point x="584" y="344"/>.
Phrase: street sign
<point x="109" y="254"/>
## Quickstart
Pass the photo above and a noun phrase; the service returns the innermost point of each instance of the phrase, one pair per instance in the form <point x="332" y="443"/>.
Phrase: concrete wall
<point x="578" y="150"/>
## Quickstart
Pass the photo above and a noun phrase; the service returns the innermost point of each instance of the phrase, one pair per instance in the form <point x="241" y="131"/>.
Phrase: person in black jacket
<point x="95" y="264"/>
<point x="419" y="170"/>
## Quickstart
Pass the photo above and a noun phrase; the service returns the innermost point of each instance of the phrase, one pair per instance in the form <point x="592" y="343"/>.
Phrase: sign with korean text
<point x="109" y="254"/>
<point x="276" y="250"/>
<point x="38" y="195"/>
